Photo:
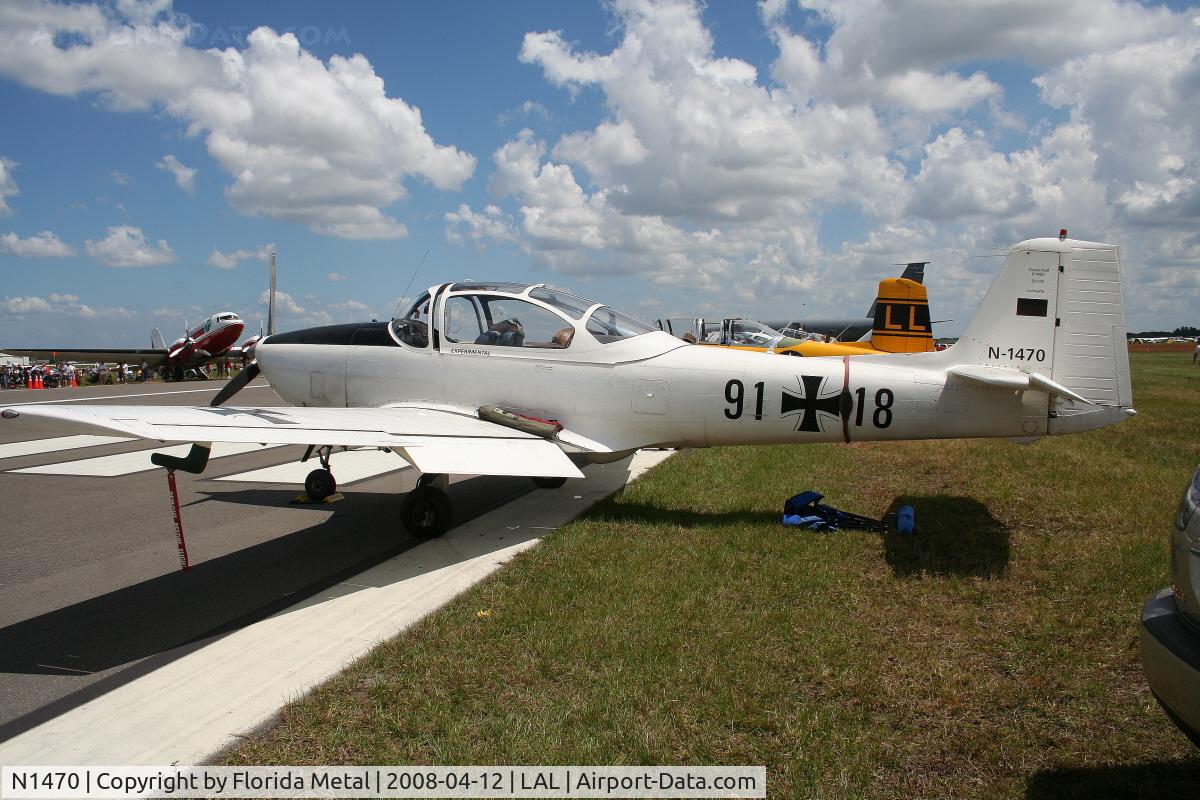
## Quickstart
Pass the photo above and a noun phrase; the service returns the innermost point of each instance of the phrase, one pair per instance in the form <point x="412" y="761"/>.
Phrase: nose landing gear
<point x="426" y="511"/>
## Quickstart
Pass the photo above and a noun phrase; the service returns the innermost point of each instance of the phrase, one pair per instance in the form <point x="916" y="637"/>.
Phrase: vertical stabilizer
<point x="901" y="317"/>
<point x="1014" y="326"/>
<point x="1055" y="314"/>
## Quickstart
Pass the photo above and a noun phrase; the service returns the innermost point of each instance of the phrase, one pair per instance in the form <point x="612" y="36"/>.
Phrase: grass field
<point x="994" y="654"/>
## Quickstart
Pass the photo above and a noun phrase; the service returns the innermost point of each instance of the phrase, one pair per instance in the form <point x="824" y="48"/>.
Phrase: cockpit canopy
<point x="515" y="315"/>
<point x="750" y="334"/>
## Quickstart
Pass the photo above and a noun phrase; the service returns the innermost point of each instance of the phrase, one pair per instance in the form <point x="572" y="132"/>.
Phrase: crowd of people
<point x="17" y="376"/>
<point x="51" y="376"/>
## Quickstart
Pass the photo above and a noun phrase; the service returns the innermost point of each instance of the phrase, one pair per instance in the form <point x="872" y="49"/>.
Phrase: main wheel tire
<point x="549" y="483"/>
<point x="319" y="484"/>
<point x="426" y="512"/>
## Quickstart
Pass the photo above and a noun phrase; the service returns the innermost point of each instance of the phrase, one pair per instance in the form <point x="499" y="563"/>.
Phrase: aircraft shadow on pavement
<point x="954" y="536"/>
<point x="163" y="618"/>
<point x="1150" y="779"/>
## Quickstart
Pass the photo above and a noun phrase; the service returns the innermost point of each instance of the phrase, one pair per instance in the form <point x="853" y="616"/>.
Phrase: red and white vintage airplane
<point x="516" y="379"/>
<point x="216" y="337"/>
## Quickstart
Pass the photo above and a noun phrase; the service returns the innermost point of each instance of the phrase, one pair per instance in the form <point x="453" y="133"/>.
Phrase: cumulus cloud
<point x="489" y="225"/>
<point x="336" y="277"/>
<point x="8" y="186"/>
<point x="701" y="170"/>
<point x="316" y="143"/>
<point x="26" y="305"/>
<point x="126" y="246"/>
<point x="119" y="178"/>
<point x="185" y="177"/>
<point x="63" y="305"/>
<point x="41" y="245"/>
<point x="230" y="260"/>
<point x="283" y="302"/>
<point x="705" y="174"/>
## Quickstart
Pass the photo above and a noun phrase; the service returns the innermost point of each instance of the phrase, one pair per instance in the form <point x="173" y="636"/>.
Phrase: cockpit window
<point x="413" y="327"/>
<point x="574" y="305"/>
<point x="608" y="325"/>
<point x="419" y="310"/>
<point x="504" y="321"/>
<point x="412" y="332"/>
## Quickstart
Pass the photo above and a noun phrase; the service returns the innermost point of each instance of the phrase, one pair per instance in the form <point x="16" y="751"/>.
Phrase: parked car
<point x="1170" y="627"/>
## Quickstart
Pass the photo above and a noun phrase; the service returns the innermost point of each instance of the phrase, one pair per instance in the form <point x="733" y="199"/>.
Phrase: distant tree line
<point x="1183" y="330"/>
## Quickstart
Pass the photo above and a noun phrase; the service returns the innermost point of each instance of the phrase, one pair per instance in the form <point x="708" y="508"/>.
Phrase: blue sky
<point x="664" y="157"/>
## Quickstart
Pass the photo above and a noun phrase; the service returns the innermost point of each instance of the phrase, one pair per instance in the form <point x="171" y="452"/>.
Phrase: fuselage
<point x="656" y="391"/>
<point x="646" y="389"/>
<point x="211" y="338"/>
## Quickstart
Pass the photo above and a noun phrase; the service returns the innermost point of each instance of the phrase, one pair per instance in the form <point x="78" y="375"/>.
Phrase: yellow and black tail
<point x="902" y="318"/>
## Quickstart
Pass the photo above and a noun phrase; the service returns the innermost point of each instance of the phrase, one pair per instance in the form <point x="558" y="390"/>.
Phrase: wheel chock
<point x="305" y="500"/>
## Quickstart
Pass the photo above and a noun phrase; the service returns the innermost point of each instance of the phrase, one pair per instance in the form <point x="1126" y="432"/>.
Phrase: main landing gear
<point x="426" y="511"/>
<point x="320" y="482"/>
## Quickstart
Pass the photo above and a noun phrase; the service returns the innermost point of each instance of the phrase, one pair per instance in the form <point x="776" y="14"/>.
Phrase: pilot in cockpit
<point x="507" y="332"/>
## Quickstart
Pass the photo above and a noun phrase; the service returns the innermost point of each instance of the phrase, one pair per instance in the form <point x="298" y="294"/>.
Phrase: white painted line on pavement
<point x="213" y="389"/>
<point x="137" y="461"/>
<point x="193" y="707"/>
<point x="39" y="446"/>
<point x="348" y="467"/>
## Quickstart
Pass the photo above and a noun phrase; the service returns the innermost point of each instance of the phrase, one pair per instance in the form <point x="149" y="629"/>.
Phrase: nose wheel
<point x="426" y="511"/>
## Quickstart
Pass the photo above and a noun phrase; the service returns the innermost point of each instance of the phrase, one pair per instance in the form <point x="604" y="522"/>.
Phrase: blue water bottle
<point x="906" y="522"/>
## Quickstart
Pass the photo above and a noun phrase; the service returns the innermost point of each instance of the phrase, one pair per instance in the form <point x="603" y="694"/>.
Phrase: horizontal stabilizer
<point x="1013" y="379"/>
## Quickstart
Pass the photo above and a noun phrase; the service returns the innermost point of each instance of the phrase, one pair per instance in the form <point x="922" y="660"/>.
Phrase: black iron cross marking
<point x="273" y="417"/>
<point x="810" y="404"/>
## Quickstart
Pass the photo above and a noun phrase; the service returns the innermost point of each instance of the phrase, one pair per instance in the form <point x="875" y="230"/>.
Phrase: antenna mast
<point x="271" y="300"/>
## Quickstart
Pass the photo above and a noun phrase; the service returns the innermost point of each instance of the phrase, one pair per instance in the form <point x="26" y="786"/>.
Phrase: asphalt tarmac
<point x="91" y="591"/>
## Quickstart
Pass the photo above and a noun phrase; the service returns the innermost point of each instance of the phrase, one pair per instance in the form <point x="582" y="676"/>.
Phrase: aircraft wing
<point x="154" y="358"/>
<point x="432" y="440"/>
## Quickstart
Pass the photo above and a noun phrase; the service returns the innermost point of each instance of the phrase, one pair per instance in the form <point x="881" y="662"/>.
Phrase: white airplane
<point x="514" y="379"/>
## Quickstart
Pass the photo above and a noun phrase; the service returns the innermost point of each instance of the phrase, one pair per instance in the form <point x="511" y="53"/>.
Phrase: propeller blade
<point x="236" y="385"/>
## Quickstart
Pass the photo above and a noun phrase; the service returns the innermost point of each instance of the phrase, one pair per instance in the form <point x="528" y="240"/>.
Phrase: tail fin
<point x="1055" y="312"/>
<point x="915" y="271"/>
<point x="902" y="318"/>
